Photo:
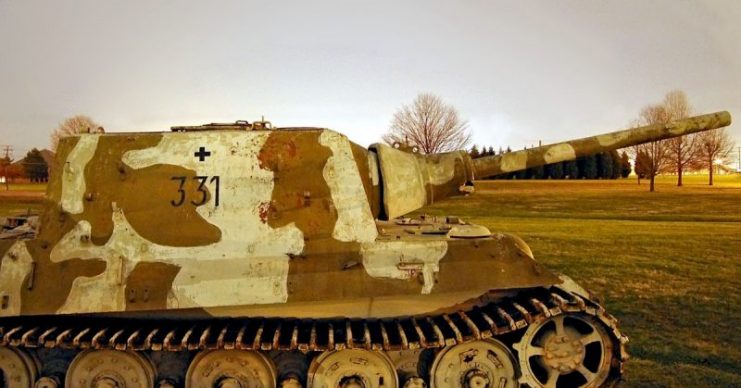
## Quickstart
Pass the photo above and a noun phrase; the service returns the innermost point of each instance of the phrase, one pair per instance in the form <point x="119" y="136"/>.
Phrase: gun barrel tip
<point x="725" y="117"/>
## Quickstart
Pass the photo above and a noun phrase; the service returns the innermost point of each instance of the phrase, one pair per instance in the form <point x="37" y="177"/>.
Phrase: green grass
<point x="665" y="263"/>
<point x="20" y="197"/>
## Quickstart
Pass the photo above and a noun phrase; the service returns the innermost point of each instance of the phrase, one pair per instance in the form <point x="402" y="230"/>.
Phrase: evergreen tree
<point x="508" y="149"/>
<point x="605" y="165"/>
<point x="537" y="172"/>
<point x="590" y="167"/>
<point x="571" y="169"/>
<point x="501" y="151"/>
<point x="616" y="165"/>
<point x="642" y="165"/>
<point x="624" y="165"/>
<point x="35" y="166"/>
<point x="474" y="152"/>
<point x="555" y="170"/>
<point x="491" y="151"/>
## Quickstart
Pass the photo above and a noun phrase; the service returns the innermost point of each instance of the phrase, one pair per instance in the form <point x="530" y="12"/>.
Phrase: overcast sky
<point x="519" y="72"/>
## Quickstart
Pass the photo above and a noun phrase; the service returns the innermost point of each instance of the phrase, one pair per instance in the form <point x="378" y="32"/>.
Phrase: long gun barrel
<point x="411" y="181"/>
<point x="572" y="149"/>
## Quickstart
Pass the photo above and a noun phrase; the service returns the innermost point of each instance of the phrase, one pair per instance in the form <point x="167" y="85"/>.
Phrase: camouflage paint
<point x="148" y="286"/>
<point x="405" y="260"/>
<point x="355" y="221"/>
<point x="132" y="223"/>
<point x="15" y="265"/>
<point x="425" y="179"/>
<point x="572" y="149"/>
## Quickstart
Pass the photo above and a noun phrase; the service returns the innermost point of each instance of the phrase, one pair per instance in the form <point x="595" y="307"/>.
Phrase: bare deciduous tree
<point x="683" y="150"/>
<point x="656" y="152"/>
<point x="714" y="145"/>
<point x="72" y="126"/>
<point x="429" y="124"/>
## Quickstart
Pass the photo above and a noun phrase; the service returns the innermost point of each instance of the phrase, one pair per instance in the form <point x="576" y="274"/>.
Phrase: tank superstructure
<point x="231" y="254"/>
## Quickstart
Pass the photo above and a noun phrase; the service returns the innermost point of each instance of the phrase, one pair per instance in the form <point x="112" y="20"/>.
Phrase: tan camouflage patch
<point x="150" y="211"/>
<point x="52" y="282"/>
<point x="339" y="265"/>
<point x="462" y="174"/>
<point x="301" y="196"/>
<point x="149" y="285"/>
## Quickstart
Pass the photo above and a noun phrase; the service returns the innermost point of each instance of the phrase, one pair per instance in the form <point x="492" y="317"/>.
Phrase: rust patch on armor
<point x="148" y="285"/>
<point x="300" y="195"/>
<point x="264" y="211"/>
<point x="51" y="281"/>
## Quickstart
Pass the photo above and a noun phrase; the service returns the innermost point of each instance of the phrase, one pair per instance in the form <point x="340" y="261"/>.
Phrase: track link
<point x="493" y="320"/>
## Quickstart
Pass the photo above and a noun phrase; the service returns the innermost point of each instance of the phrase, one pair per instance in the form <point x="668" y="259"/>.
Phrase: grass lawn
<point x="665" y="263"/>
<point x="33" y="187"/>
<point x="20" y="197"/>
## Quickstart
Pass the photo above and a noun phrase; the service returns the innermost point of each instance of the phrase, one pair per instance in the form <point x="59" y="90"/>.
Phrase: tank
<point x="240" y="255"/>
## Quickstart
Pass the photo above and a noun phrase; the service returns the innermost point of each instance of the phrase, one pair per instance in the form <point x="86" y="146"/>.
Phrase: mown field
<point x="665" y="263"/>
<point x="20" y="198"/>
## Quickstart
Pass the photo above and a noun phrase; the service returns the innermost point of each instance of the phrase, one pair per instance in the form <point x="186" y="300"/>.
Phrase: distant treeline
<point x="604" y="165"/>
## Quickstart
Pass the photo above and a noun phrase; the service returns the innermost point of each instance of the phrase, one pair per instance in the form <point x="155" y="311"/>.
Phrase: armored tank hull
<point x="242" y="256"/>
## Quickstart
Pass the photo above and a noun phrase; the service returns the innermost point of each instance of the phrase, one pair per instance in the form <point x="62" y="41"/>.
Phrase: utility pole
<point x="8" y="151"/>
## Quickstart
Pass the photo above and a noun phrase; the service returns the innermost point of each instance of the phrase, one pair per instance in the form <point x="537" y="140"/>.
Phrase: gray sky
<point x="519" y="72"/>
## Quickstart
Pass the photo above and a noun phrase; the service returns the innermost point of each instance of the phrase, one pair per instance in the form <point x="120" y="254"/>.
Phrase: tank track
<point x="505" y="320"/>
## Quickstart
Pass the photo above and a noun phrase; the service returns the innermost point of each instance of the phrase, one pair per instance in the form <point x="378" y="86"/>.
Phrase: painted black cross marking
<point x="202" y="154"/>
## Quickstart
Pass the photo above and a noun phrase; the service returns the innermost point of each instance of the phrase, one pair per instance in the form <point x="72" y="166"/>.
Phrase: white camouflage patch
<point x="16" y="265"/>
<point x="354" y="217"/>
<point x="559" y="153"/>
<point x="73" y="173"/>
<point x="404" y="260"/>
